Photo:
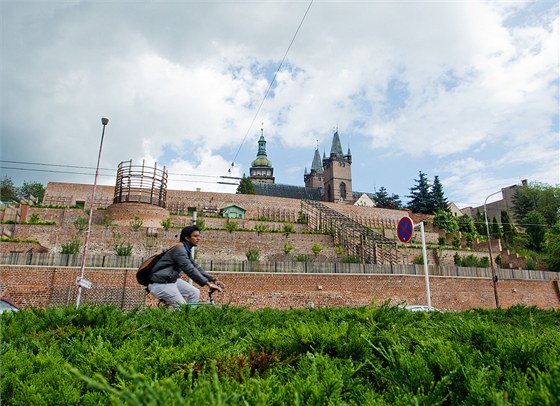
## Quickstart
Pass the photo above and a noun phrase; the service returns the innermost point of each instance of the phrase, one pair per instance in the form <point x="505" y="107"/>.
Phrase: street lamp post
<point x="494" y="275"/>
<point x="81" y="282"/>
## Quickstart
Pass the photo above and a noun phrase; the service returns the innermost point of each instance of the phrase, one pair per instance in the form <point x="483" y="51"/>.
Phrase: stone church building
<point x="329" y="180"/>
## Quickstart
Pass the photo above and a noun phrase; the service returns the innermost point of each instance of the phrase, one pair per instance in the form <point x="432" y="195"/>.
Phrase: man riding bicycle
<point x="166" y="283"/>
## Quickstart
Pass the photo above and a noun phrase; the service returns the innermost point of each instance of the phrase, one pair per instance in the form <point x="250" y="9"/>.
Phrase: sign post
<point x="404" y="234"/>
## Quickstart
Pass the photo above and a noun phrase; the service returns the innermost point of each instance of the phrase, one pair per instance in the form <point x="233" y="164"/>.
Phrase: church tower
<point x="337" y="174"/>
<point x="261" y="168"/>
<point x="314" y="179"/>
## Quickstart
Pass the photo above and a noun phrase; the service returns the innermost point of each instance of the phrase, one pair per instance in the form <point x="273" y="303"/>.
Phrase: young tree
<point x="444" y="219"/>
<point x="246" y="186"/>
<point x="535" y="227"/>
<point x="466" y="224"/>
<point x="420" y="196"/>
<point x="32" y="190"/>
<point x="8" y="191"/>
<point x="495" y="231"/>
<point x="552" y="248"/>
<point x="480" y="223"/>
<point x="508" y="229"/>
<point x="537" y="197"/>
<point x="383" y="200"/>
<point x="438" y="199"/>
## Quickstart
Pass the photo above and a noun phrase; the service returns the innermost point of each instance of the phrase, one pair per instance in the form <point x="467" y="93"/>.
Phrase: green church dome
<point x="261" y="162"/>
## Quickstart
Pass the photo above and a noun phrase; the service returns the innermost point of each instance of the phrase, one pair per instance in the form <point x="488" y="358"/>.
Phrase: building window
<point x="343" y="190"/>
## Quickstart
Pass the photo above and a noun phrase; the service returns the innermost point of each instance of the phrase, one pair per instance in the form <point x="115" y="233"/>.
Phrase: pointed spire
<point x="336" y="148"/>
<point x="317" y="165"/>
<point x="349" y="153"/>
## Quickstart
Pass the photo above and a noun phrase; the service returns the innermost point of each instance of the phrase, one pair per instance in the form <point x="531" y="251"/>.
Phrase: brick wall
<point x="50" y="286"/>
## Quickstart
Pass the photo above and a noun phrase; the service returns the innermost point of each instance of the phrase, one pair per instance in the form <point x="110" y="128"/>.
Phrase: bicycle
<point x="210" y="302"/>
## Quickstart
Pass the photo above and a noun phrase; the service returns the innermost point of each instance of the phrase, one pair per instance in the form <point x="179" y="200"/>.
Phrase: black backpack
<point x="145" y="269"/>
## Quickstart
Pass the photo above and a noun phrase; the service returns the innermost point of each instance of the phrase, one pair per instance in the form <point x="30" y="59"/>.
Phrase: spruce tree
<point x="383" y="200"/>
<point x="420" y="196"/>
<point x="438" y="199"/>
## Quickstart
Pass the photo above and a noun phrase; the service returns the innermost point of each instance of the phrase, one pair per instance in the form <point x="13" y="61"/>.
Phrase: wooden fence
<point x="133" y="262"/>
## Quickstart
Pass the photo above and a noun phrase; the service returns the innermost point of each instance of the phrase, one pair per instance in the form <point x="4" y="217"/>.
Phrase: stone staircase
<point x="355" y="239"/>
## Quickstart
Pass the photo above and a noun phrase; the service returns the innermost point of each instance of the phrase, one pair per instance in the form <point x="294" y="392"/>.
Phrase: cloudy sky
<point x="465" y="90"/>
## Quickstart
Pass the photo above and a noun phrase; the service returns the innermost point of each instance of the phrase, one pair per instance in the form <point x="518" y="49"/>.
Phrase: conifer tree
<point x="246" y="186"/>
<point x="383" y="200"/>
<point x="438" y="200"/>
<point x="420" y="196"/>
<point x="495" y="230"/>
<point x="508" y="229"/>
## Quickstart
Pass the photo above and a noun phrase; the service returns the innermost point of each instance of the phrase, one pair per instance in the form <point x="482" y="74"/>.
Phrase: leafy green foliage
<point x="260" y="228"/>
<point x="471" y="261"/>
<point x="535" y="228"/>
<point x="456" y="242"/>
<point x="288" y="229"/>
<point x="32" y="191"/>
<point x="80" y="224"/>
<point x="122" y="248"/>
<point x="8" y="190"/>
<point x="166" y="223"/>
<point x="350" y="259"/>
<point x="231" y="226"/>
<point x="444" y="219"/>
<point x="303" y="258"/>
<point x="71" y="246"/>
<point x="316" y="249"/>
<point x="246" y="186"/>
<point x="288" y="248"/>
<point x="136" y="223"/>
<point x="508" y="228"/>
<point x="253" y="254"/>
<point x="466" y="224"/>
<point x="538" y="197"/>
<point x="552" y="248"/>
<point x="217" y="356"/>
<point x="495" y="230"/>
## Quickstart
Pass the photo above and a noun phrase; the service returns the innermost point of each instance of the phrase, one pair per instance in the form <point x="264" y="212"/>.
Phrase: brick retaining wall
<point x="50" y="286"/>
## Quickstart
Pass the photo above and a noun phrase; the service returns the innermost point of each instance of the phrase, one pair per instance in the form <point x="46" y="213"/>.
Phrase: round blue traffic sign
<point x="404" y="229"/>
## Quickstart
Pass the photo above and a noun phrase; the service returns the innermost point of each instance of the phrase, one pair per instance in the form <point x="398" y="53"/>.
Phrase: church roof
<point x="287" y="191"/>
<point x="262" y="161"/>
<point x="317" y="164"/>
<point x="336" y="147"/>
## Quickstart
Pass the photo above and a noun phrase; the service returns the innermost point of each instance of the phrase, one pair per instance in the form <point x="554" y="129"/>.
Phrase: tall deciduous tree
<point x="8" y="191"/>
<point x="534" y="224"/>
<point x="552" y="248"/>
<point x="544" y="199"/>
<point x="32" y="190"/>
<point x="420" y="196"/>
<point x="246" y="186"/>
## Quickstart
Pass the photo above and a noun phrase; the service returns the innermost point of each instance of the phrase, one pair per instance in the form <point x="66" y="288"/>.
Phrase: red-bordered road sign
<point x="404" y="229"/>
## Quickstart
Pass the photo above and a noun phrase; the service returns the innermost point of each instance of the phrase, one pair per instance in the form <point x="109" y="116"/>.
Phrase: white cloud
<point x="478" y="85"/>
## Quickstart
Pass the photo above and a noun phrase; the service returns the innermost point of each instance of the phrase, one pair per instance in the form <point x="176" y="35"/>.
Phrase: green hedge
<point x="379" y="355"/>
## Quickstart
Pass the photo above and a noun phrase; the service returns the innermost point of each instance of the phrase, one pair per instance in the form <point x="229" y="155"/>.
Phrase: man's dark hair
<point x="187" y="231"/>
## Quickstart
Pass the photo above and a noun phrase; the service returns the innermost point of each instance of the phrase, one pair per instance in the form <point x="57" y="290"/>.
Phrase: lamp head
<point x="104" y="121"/>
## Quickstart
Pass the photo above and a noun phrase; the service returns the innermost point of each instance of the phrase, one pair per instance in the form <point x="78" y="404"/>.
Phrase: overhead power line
<point x="270" y="86"/>
<point x="114" y="170"/>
